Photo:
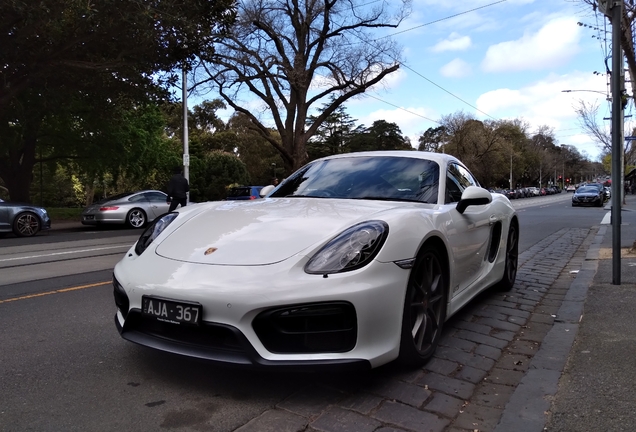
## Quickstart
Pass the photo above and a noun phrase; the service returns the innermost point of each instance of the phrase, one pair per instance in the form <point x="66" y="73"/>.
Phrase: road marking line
<point x="66" y="253"/>
<point x="63" y="290"/>
<point x="607" y="219"/>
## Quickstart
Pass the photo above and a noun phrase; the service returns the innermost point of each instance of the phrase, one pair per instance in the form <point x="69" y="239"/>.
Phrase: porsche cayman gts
<point x="353" y="261"/>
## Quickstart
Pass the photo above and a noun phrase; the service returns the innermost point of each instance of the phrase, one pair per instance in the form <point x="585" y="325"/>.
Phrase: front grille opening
<point x="206" y="335"/>
<point x="309" y="328"/>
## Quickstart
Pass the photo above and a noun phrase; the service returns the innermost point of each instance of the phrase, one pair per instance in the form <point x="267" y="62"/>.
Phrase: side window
<point x="137" y="198"/>
<point x="458" y="179"/>
<point x="156" y="197"/>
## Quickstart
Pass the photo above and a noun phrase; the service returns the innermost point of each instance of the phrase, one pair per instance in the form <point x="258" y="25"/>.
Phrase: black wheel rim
<point x="27" y="225"/>
<point x="512" y="254"/>
<point x="426" y="303"/>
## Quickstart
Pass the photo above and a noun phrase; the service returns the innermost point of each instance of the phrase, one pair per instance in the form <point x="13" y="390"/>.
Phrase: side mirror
<point x="473" y="195"/>
<point x="266" y="190"/>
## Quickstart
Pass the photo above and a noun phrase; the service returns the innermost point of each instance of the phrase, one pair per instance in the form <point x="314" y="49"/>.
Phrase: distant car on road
<point x="244" y="193"/>
<point x="588" y="195"/>
<point x="570" y="188"/>
<point x="134" y="209"/>
<point x="24" y="220"/>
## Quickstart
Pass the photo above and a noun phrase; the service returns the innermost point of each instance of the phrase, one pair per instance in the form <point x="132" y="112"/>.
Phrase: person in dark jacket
<point x="178" y="189"/>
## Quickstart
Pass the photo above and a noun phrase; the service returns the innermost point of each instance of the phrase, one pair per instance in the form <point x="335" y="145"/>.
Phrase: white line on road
<point x="66" y="253"/>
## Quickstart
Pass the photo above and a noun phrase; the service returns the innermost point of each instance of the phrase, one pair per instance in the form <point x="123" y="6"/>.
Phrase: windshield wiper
<point x="374" y="198"/>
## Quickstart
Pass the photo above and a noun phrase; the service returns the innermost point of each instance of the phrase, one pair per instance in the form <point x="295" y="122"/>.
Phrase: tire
<point x="26" y="224"/>
<point x="424" y="310"/>
<point x="512" y="259"/>
<point x="136" y="218"/>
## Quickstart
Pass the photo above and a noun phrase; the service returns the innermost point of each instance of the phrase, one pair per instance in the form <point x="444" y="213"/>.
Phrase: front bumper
<point x="235" y="298"/>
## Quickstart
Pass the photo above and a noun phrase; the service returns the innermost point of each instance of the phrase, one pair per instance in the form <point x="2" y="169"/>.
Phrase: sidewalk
<point x="582" y="379"/>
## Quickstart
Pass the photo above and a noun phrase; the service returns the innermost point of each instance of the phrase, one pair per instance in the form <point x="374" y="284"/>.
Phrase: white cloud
<point x="553" y="45"/>
<point x="455" y="42"/>
<point x="543" y="103"/>
<point x="456" y="68"/>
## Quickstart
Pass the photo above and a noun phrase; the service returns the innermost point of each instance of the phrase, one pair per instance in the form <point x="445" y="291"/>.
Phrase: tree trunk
<point x="17" y="169"/>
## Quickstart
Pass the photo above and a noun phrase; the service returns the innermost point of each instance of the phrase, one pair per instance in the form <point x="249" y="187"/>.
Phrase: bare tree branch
<point x="294" y="54"/>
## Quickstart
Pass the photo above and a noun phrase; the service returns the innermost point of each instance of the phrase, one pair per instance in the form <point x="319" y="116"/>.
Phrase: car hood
<point x="264" y="231"/>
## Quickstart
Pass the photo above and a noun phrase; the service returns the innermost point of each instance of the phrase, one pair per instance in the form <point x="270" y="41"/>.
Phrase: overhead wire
<point x="421" y="75"/>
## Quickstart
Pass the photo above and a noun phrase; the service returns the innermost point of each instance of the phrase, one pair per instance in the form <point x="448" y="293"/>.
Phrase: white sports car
<point x="355" y="260"/>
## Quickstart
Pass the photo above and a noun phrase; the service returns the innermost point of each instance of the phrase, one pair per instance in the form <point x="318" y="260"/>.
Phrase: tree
<point x="125" y="43"/>
<point x="382" y="135"/>
<point x="292" y="54"/>
<point x="333" y="135"/>
<point x="432" y="139"/>
<point x="588" y="114"/>
<point x="57" y="54"/>
<point x="214" y="172"/>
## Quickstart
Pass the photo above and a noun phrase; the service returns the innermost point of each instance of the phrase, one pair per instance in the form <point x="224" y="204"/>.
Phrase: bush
<point x="64" y="213"/>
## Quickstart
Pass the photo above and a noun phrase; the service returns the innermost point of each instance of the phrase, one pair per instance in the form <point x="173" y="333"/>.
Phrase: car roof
<point x="441" y="158"/>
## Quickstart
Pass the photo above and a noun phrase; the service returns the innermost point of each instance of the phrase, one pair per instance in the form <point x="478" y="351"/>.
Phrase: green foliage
<point x="432" y="139"/>
<point x="72" y="68"/>
<point x="382" y="135"/>
<point x="211" y="174"/>
<point x="333" y="135"/>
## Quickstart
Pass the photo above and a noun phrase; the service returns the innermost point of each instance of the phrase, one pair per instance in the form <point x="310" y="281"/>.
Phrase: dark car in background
<point x="244" y="193"/>
<point x="601" y="189"/>
<point x="24" y="220"/>
<point x="588" y="195"/>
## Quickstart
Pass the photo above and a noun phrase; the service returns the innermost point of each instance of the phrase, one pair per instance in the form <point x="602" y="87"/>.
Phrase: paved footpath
<point x="496" y="361"/>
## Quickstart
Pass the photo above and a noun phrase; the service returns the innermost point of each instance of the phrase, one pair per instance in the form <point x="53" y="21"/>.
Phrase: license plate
<point x="170" y="311"/>
<point x="89" y="217"/>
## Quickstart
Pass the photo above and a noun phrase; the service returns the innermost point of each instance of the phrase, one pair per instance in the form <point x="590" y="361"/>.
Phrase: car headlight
<point x="153" y="231"/>
<point x="352" y="249"/>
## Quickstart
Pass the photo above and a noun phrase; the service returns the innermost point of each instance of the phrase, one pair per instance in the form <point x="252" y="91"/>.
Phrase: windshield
<point x="368" y="177"/>
<point x="588" y="189"/>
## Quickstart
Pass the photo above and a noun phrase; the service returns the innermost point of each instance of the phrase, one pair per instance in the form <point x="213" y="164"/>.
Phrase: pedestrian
<point x="178" y="189"/>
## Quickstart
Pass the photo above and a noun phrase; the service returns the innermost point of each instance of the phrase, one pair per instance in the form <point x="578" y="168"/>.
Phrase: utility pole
<point x="186" y="154"/>
<point x="613" y="10"/>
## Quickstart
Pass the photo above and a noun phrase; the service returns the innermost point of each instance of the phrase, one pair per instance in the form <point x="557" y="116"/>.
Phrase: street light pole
<point x="510" y="169"/>
<point x="617" y="136"/>
<point x="186" y="155"/>
<point x="607" y="97"/>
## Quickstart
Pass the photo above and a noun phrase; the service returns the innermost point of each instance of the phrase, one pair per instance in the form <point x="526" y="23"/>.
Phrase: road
<point x="64" y="366"/>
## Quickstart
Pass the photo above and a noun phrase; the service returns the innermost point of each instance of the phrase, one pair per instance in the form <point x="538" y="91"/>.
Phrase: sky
<point x="496" y="59"/>
<point x="506" y="60"/>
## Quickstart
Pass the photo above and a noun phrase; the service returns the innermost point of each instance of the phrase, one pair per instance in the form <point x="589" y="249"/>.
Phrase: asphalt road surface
<point x="65" y="368"/>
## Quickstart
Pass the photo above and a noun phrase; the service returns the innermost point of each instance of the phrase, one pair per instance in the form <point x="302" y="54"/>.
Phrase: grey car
<point x="134" y="209"/>
<point x="24" y="220"/>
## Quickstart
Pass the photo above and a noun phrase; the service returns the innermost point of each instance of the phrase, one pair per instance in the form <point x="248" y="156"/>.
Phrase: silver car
<point x="24" y="220"/>
<point x="134" y="209"/>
